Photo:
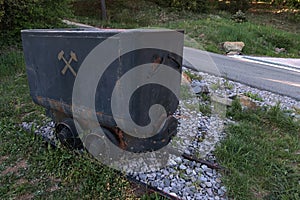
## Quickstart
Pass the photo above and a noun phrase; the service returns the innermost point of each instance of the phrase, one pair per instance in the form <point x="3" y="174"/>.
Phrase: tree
<point x="1" y="9"/>
<point x="103" y="10"/>
<point x="27" y="14"/>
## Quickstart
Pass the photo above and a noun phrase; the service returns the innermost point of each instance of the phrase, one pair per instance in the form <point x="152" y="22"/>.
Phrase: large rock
<point x="280" y="50"/>
<point x="233" y="47"/>
<point x="221" y="100"/>
<point x="200" y="87"/>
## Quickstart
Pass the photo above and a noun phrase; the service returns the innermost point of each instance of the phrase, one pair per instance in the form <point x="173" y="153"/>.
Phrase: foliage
<point x="239" y="17"/>
<point x="235" y="111"/>
<point x="185" y="92"/>
<point x="290" y="3"/>
<point x="234" y="6"/>
<point x="1" y="9"/>
<point x="279" y="40"/>
<point x="193" y="76"/>
<point x="120" y="13"/>
<point x="192" y="5"/>
<point x="87" y="8"/>
<point x="253" y="96"/>
<point x="27" y="14"/>
<point x="205" y="109"/>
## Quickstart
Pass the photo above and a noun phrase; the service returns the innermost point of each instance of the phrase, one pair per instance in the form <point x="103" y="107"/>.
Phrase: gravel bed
<point x="268" y="98"/>
<point x="197" y="135"/>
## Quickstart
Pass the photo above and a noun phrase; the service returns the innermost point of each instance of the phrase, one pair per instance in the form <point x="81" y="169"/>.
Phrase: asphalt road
<point x="278" y="77"/>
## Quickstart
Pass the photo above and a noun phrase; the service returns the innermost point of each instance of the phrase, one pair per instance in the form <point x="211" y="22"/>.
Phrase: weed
<point x="205" y="109"/>
<point x="204" y="97"/>
<point x="152" y="196"/>
<point x="235" y="111"/>
<point x="216" y="86"/>
<point x="228" y="85"/>
<point x="182" y="174"/>
<point x="253" y="96"/>
<point x="239" y="17"/>
<point x="193" y="76"/>
<point x="191" y="107"/>
<point x="185" y="92"/>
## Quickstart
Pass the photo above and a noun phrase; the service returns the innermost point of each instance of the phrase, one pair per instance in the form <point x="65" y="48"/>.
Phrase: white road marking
<point x="293" y="67"/>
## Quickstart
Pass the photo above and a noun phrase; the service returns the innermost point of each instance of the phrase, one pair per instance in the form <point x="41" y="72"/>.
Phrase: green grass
<point x="258" y="39"/>
<point x="43" y="172"/>
<point x="186" y="92"/>
<point x="206" y="31"/>
<point x="261" y="153"/>
<point x="205" y="109"/>
<point x="11" y="62"/>
<point x="193" y="76"/>
<point x="253" y="96"/>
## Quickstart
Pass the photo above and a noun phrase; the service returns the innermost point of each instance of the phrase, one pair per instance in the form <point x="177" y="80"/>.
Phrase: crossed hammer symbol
<point x="60" y="56"/>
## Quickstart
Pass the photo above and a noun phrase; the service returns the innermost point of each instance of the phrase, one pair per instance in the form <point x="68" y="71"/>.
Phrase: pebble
<point x="178" y="160"/>
<point x="166" y="172"/>
<point x="208" y="184"/>
<point x="182" y="167"/>
<point x="209" y="192"/>
<point x="189" y="171"/>
<point x="209" y="174"/>
<point x="203" y="179"/>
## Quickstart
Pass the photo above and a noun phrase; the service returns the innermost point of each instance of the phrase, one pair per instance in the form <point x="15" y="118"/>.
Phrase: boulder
<point x="280" y="50"/>
<point x="222" y="100"/>
<point x="199" y="87"/>
<point x="235" y="47"/>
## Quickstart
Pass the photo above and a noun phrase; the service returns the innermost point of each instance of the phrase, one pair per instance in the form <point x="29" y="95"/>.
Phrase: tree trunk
<point x="103" y="10"/>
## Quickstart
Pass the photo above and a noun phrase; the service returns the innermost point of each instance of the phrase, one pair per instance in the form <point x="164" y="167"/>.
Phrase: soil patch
<point x="20" y="164"/>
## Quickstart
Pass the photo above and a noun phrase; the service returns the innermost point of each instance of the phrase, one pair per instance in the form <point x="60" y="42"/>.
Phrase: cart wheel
<point x="69" y="140"/>
<point x="68" y="136"/>
<point x="99" y="147"/>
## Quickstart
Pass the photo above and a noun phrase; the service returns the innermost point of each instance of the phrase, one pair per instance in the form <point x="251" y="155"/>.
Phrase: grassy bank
<point x="261" y="153"/>
<point x="262" y="33"/>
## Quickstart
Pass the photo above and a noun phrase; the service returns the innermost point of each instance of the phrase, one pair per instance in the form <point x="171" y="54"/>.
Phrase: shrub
<point x="191" y="5"/>
<point x="17" y="15"/>
<point x="1" y="9"/>
<point x="279" y="40"/>
<point x="290" y="3"/>
<point x="89" y="8"/>
<point x="234" y="6"/>
<point x="239" y="17"/>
